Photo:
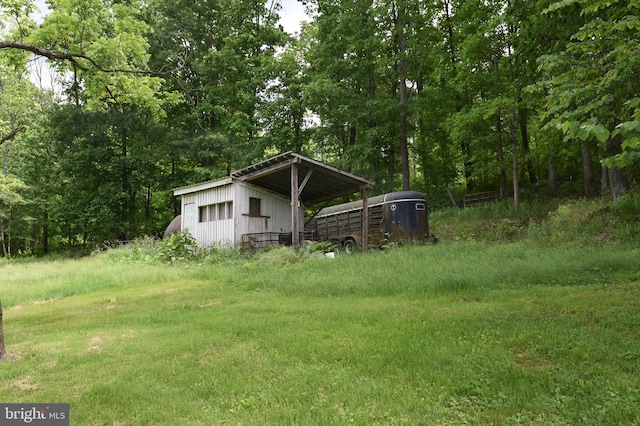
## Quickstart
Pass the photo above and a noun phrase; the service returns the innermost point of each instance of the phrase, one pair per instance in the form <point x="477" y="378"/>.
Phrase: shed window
<point x="203" y="214"/>
<point x="219" y="211"/>
<point x="254" y="206"/>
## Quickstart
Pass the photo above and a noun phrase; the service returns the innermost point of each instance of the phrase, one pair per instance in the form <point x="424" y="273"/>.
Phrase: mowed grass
<point x="456" y="333"/>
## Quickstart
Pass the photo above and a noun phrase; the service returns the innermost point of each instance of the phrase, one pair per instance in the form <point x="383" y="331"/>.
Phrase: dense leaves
<point x="444" y="97"/>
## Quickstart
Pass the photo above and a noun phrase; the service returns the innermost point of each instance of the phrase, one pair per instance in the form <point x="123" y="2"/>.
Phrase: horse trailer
<point x="393" y="217"/>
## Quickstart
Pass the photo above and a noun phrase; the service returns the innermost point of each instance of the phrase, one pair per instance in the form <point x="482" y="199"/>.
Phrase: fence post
<point x="365" y="219"/>
<point x="295" y="217"/>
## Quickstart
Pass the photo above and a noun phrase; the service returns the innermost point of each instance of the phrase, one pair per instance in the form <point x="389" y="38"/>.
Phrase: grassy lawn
<point x="456" y="333"/>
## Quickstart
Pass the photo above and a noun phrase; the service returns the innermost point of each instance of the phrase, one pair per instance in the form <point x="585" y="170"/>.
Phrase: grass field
<point x="454" y="333"/>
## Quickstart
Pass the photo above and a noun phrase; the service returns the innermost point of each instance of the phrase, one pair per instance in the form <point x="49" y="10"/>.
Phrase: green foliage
<point x="10" y="188"/>
<point x="320" y="247"/>
<point x="582" y="222"/>
<point x="179" y="247"/>
<point x="597" y="99"/>
<point x="279" y="257"/>
<point x="196" y="89"/>
<point x="627" y="208"/>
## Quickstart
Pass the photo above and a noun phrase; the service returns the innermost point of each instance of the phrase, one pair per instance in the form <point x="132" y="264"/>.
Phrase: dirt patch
<point x="23" y="384"/>
<point x="96" y="340"/>
<point x="9" y="357"/>
<point x="531" y="362"/>
<point x="94" y="345"/>
<point x="41" y="302"/>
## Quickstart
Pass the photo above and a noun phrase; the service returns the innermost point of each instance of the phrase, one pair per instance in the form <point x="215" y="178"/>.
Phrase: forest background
<point x="526" y="98"/>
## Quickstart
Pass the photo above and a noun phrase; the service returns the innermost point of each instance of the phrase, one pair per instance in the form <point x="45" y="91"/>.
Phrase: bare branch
<point x="74" y="59"/>
<point x="71" y="57"/>
<point x="12" y="134"/>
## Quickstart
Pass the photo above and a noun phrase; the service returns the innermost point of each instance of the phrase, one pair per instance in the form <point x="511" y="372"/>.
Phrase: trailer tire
<point x="350" y="245"/>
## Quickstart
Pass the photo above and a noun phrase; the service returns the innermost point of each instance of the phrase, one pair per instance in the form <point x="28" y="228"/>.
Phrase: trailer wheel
<point x="349" y="245"/>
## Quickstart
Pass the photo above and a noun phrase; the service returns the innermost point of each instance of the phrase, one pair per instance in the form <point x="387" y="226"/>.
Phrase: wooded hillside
<point x="524" y="98"/>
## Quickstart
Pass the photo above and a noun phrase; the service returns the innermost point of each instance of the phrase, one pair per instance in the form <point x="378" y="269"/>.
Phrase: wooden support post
<point x="365" y="219"/>
<point x="295" y="217"/>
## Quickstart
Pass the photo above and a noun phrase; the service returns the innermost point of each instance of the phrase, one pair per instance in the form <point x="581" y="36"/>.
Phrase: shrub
<point x="280" y="256"/>
<point x="320" y="247"/>
<point x="627" y="208"/>
<point x="178" y="247"/>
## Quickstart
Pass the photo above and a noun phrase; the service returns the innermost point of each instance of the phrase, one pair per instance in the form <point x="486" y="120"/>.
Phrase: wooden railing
<point x="260" y="240"/>
<point x="479" y="198"/>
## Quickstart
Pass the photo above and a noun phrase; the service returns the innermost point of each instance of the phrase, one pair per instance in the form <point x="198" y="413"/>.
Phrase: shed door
<point x="190" y="217"/>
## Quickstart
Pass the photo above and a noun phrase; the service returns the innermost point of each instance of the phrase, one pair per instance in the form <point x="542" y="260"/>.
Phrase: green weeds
<point x="463" y="332"/>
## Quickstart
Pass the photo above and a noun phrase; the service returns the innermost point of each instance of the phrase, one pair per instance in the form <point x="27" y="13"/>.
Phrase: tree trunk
<point x="3" y="352"/>
<point x="551" y="172"/>
<point x="525" y="145"/>
<point x="124" y="213"/>
<point x="464" y="146"/>
<point x="590" y="187"/>
<point x="391" y="167"/>
<point x="451" y="197"/>
<point x="147" y="209"/>
<point x="404" y="151"/>
<point x="514" y="157"/>
<point x="618" y="179"/>
<point x="2" y="241"/>
<point x="618" y="182"/>
<point x="4" y="175"/>
<point x="352" y="135"/>
<point x="404" y="99"/>
<point x="502" y="173"/>
<point x="45" y="231"/>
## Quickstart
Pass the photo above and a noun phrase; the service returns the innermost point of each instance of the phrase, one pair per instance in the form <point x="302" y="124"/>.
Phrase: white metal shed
<point x="266" y="198"/>
<point x="220" y="212"/>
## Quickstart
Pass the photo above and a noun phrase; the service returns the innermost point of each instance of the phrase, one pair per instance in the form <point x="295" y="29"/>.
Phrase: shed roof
<point x="202" y="186"/>
<point x="318" y="181"/>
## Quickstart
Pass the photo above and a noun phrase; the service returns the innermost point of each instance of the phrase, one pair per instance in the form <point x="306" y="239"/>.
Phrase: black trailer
<point x="393" y="217"/>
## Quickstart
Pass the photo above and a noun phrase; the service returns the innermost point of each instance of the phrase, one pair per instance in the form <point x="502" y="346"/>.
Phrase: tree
<point x="225" y="53"/>
<point x="17" y="96"/>
<point x="282" y="111"/>
<point x="100" y="49"/>
<point x="593" y="88"/>
<point x="341" y="76"/>
<point x="367" y="64"/>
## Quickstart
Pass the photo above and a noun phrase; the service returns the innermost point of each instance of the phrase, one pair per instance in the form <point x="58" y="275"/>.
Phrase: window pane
<point x="254" y="206"/>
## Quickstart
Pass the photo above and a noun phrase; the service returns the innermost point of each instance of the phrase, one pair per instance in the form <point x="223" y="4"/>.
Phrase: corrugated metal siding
<point x="275" y="214"/>
<point x="275" y="211"/>
<point x="219" y="232"/>
<point x="215" y="195"/>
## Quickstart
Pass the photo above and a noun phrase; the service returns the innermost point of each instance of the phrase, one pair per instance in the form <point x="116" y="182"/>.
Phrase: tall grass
<point x="462" y="332"/>
<point x="446" y="334"/>
<point x="447" y="268"/>
<point x="584" y="222"/>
